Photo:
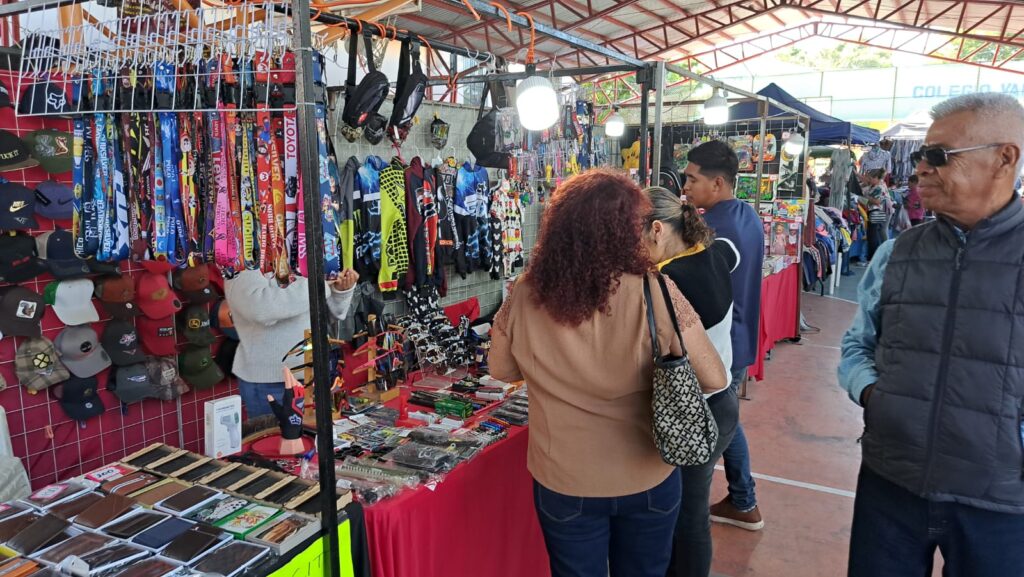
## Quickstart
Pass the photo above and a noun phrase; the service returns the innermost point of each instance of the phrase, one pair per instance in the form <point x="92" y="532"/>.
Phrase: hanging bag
<point x="408" y="93"/>
<point x="685" y="431"/>
<point x="362" y="101"/>
<point x="483" y="137"/>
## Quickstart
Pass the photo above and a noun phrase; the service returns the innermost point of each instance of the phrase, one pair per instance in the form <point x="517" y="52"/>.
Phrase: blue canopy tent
<point x="824" y="129"/>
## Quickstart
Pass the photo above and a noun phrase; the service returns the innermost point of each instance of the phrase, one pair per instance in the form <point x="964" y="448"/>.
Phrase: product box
<point x="224" y="426"/>
<point x="248" y="520"/>
<point x="285" y="532"/>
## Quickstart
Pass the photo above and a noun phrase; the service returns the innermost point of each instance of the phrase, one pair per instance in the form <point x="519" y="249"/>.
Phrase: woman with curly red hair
<point x="574" y="327"/>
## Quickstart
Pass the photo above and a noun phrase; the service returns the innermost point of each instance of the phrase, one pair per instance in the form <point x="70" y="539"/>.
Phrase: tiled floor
<point x="801" y="428"/>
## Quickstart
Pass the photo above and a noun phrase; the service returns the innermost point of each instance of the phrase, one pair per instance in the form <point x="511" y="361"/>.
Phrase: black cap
<point x="45" y="98"/>
<point x="57" y="249"/>
<point x="20" y="312"/>
<point x="79" y="398"/>
<point x="132" y="383"/>
<point x="17" y="207"/>
<point x="121" y="341"/>
<point x="14" y="154"/>
<point x="20" y="260"/>
<point x="5" y="97"/>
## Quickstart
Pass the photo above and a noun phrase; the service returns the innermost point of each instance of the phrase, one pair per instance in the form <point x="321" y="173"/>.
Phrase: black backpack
<point x="411" y="86"/>
<point x="364" y="100"/>
<point x="483" y="138"/>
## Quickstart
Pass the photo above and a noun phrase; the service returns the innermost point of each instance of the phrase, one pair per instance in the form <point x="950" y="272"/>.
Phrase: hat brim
<point x="90" y="366"/>
<point x="124" y="359"/>
<point x="29" y="271"/>
<point x="70" y="268"/>
<point x="201" y="338"/>
<point x="56" y="166"/>
<point x="8" y="223"/>
<point x="15" y="327"/>
<point x="36" y="382"/>
<point x="124" y="311"/>
<point x="27" y="163"/>
<point x="83" y="411"/>
<point x="55" y="213"/>
<point x="77" y="315"/>
<point x="206" y="378"/>
<point x="99" y="267"/>
<point x="160" y="309"/>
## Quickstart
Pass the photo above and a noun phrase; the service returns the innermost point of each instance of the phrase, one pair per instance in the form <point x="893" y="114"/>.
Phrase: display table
<point x="480" y="520"/>
<point x="780" y="313"/>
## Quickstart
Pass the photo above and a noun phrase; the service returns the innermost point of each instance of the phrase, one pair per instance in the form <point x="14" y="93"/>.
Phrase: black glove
<point x="289" y="415"/>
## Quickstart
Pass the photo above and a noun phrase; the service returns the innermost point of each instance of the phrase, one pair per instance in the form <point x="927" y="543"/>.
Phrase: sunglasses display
<point x="936" y="156"/>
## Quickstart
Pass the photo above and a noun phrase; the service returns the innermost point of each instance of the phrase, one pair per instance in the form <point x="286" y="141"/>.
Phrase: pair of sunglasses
<point x="936" y="156"/>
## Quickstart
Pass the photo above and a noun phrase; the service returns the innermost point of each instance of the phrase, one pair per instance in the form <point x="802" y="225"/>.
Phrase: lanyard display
<point x="235" y="224"/>
<point x="172" y="189"/>
<point x="190" y="180"/>
<point x="332" y="264"/>
<point x="292" y="206"/>
<point x="100" y="186"/>
<point x="281" y="268"/>
<point x="160" y="224"/>
<point x="263" y="137"/>
<point x="119" y="212"/>
<point x="250" y="218"/>
<point x="78" y="185"/>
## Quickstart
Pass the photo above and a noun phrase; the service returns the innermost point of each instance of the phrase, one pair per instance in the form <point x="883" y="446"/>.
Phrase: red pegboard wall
<point x="52" y="446"/>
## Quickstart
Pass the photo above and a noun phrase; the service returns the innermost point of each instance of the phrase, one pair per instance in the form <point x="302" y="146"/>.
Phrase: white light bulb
<point x="716" y="109"/>
<point x="794" y="145"/>
<point x="536" y="103"/>
<point x="615" y="125"/>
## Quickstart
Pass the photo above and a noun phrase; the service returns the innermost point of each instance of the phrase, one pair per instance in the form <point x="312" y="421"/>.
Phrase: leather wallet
<point x="72" y="507"/>
<point x="38" y="534"/>
<point x="11" y="509"/>
<point x="151" y="455"/>
<point x="78" y="545"/>
<point x="230" y="478"/>
<point x="157" y="536"/>
<point x="9" y="528"/>
<point x="147" y="568"/>
<point x="18" y="567"/>
<point x="116" y="554"/>
<point x="104" y="511"/>
<point x="133" y="525"/>
<point x="187" y="499"/>
<point x="130" y="483"/>
<point x="191" y="544"/>
<point x="179" y="462"/>
<point x="52" y="493"/>
<point x="230" y="558"/>
<point x="289" y="492"/>
<point x="201" y="471"/>
<point x="153" y="495"/>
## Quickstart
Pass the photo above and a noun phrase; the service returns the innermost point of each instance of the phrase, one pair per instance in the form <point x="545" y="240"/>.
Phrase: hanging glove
<point x="289" y="413"/>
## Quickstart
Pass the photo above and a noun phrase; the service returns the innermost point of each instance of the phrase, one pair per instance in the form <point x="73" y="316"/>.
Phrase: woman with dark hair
<point x="575" y="328"/>
<point x="682" y="244"/>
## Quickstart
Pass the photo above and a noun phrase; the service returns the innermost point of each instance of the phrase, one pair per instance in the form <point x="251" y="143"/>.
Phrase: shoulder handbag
<point x="685" y="431"/>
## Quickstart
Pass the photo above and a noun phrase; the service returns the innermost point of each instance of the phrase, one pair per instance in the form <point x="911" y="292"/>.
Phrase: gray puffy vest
<point x="944" y="419"/>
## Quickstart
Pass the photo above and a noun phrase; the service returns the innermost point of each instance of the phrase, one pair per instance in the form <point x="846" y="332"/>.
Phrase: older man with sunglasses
<point x="936" y="358"/>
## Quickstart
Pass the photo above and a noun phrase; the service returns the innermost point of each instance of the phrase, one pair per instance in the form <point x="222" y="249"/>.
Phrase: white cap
<point x="72" y="301"/>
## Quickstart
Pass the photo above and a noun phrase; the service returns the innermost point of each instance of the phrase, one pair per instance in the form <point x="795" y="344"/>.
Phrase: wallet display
<point x="75" y="505"/>
<point x="206" y="469"/>
<point x="247" y="519"/>
<point x="18" y="567"/>
<point x="218" y="510"/>
<point x="151" y="456"/>
<point x="113" y="556"/>
<point x="9" y="528"/>
<point x="230" y="478"/>
<point x="261" y="484"/>
<point x="130" y="483"/>
<point x="52" y="493"/>
<point x="179" y="462"/>
<point x="230" y="558"/>
<point x="187" y="499"/>
<point x="147" y="568"/>
<point x="12" y="509"/>
<point x="289" y="492"/>
<point x="104" y="511"/>
<point x="157" y="536"/>
<point x="78" y="545"/>
<point x="151" y="496"/>
<point x="286" y="532"/>
<point x="133" y="525"/>
<point x="192" y="543"/>
<point x="38" y="534"/>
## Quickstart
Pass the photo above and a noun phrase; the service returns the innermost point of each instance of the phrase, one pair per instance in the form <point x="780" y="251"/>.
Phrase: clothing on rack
<point x="874" y="159"/>
<point x="840" y="168"/>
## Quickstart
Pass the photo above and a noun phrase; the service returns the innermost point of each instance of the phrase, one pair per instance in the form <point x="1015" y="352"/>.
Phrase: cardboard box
<point x="224" y="427"/>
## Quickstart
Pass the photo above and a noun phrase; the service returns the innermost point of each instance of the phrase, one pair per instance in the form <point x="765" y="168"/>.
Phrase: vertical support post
<point x="644" y="76"/>
<point x="763" y="106"/>
<point x="659" y="100"/>
<point x="318" y="312"/>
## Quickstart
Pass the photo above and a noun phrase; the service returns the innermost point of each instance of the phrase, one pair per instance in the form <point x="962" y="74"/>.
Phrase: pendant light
<point x="794" y="144"/>
<point x="716" y="109"/>
<point x="615" y="125"/>
<point x="536" y="100"/>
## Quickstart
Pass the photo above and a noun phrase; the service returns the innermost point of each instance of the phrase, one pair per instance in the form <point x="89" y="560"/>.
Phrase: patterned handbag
<point x="685" y="431"/>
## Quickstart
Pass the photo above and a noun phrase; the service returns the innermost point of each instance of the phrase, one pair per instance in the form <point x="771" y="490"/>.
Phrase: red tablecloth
<point x="780" y="311"/>
<point x="480" y="521"/>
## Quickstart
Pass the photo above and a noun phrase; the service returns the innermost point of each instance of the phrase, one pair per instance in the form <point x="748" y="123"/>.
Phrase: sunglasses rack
<point x="203" y="60"/>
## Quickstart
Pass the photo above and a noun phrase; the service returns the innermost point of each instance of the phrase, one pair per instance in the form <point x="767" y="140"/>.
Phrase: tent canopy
<point x="824" y="129"/>
<point x="913" y="127"/>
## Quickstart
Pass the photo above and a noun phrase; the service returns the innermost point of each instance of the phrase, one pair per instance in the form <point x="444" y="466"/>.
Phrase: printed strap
<point x="282" y="270"/>
<point x="263" y="138"/>
<point x="101" y="185"/>
<point x="120" y="195"/>
<point x="235" y="228"/>
<point x="292" y="206"/>
<point x="331" y="257"/>
<point x="160" y="219"/>
<point x="78" y="184"/>
<point x="247" y="195"/>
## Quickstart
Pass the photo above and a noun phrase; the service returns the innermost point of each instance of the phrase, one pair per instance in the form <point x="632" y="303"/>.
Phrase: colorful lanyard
<point x="160" y="223"/>
<point x="332" y="264"/>
<point x="281" y="268"/>
<point x="78" y="182"/>
<point x="235" y="225"/>
<point x="221" y="253"/>
<point x="250" y="218"/>
<point x="291" y="187"/>
<point x="119" y="213"/>
<point x="100" y="186"/>
<point x="172" y="188"/>
<point x="263" y="137"/>
<point x="189" y="185"/>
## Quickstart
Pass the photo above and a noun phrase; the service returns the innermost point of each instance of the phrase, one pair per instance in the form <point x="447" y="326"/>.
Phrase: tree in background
<point x="842" y="56"/>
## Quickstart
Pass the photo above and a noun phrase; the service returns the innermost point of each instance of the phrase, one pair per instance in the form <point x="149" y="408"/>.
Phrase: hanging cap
<point x="57" y="249"/>
<point x="20" y="312"/>
<point x="121" y="341"/>
<point x="52" y="148"/>
<point x="79" y="398"/>
<point x="17" y="207"/>
<point x="37" y="365"/>
<point x="79" y="348"/>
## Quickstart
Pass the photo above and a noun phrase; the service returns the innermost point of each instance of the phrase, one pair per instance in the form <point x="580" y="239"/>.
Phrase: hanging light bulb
<point x="794" y="145"/>
<point x="615" y="125"/>
<point x="536" y="102"/>
<point x="716" y="109"/>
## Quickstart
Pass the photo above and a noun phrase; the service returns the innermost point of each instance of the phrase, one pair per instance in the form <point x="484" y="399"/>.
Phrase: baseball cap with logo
<point x="117" y="295"/>
<point x="57" y="249"/>
<point x="163" y="373"/>
<point x="14" y="154"/>
<point x="72" y="301"/>
<point x="20" y="261"/>
<point x="79" y="398"/>
<point x="132" y="383"/>
<point x="55" y="200"/>
<point x="121" y="341"/>
<point x="17" y="207"/>
<point x="156" y="299"/>
<point x="194" y="284"/>
<point x="20" y="312"/>
<point x="157" y="335"/>
<point x="51" y="148"/>
<point x="45" y="98"/>
<point x="198" y="369"/>
<point x="38" y="366"/>
<point x="195" y="325"/>
<point x="79" y="348"/>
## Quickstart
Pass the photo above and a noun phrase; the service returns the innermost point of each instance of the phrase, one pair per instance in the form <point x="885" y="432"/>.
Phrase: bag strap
<point x="672" y="312"/>
<point x="414" y="55"/>
<point x="353" y="49"/>
<point x="368" y="45"/>
<point x="403" y="74"/>
<point x="651" y="325"/>
<point x="483" y="100"/>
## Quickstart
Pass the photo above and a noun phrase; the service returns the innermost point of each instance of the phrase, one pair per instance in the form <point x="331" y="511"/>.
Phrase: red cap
<point x="157" y="335"/>
<point x="156" y="299"/>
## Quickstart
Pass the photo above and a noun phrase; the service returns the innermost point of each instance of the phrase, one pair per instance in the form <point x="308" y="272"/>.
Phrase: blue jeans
<point x="254" y="397"/>
<point x="628" y="536"/>
<point x="737" y="460"/>
<point x="895" y="534"/>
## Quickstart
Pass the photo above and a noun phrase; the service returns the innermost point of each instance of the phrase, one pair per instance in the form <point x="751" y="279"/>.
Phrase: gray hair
<point x="1001" y="114"/>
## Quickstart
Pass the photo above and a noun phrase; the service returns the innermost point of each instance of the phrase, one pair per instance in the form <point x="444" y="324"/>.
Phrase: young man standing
<point x="710" y="185"/>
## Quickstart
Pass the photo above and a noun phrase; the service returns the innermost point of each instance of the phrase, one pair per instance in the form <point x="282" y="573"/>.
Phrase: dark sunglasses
<point x="936" y="156"/>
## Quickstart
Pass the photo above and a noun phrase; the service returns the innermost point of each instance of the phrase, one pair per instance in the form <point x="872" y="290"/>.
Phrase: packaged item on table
<point x="309" y="503"/>
<point x="154" y="567"/>
<point x="231" y="559"/>
<point x="368" y="492"/>
<point x="152" y="495"/>
<point x="47" y="529"/>
<point x="102" y="560"/>
<point x="286" y="532"/>
<point x="109" y="473"/>
<point x="132" y="524"/>
<point x="181" y="462"/>
<point x="264" y="484"/>
<point x="70" y="508"/>
<point x="230" y="477"/>
<point x="188" y="500"/>
<point x="218" y="510"/>
<point x="18" y="567"/>
<point x="207" y="469"/>
<point x="423" y="457"/>
<point x="56" y="492"/>
<point x="192" y="544"/>
<point x="13" y="508"/>
<point x="293" y="489"/>
<point x="132" y="483"/>
<point x="10" y="527"/>
<point x="160" y="535"/>
<point x="80" y="544"/>
<point x="104" y="511"/>
<point x="376" y="471"/>
<point x="150" y="454"/>
<point x="248" y="519"/>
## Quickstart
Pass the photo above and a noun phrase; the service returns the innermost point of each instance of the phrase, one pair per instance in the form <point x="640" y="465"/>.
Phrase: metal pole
<point x="318" y="312"/>
<point x="760" y="160"/>
<point x="659" y="99"/>
<point x="716" y="84"/>
<point x="557" y="73"/>
<point x="645" y="101"/>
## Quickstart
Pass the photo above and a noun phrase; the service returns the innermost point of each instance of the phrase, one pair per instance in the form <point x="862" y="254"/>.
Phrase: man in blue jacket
<point x="935" y="356"/>
<point x="710" y="184"/>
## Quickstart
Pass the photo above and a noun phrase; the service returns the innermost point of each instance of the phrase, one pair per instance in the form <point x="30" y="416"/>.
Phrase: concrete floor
<point x="803" y="430"/>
